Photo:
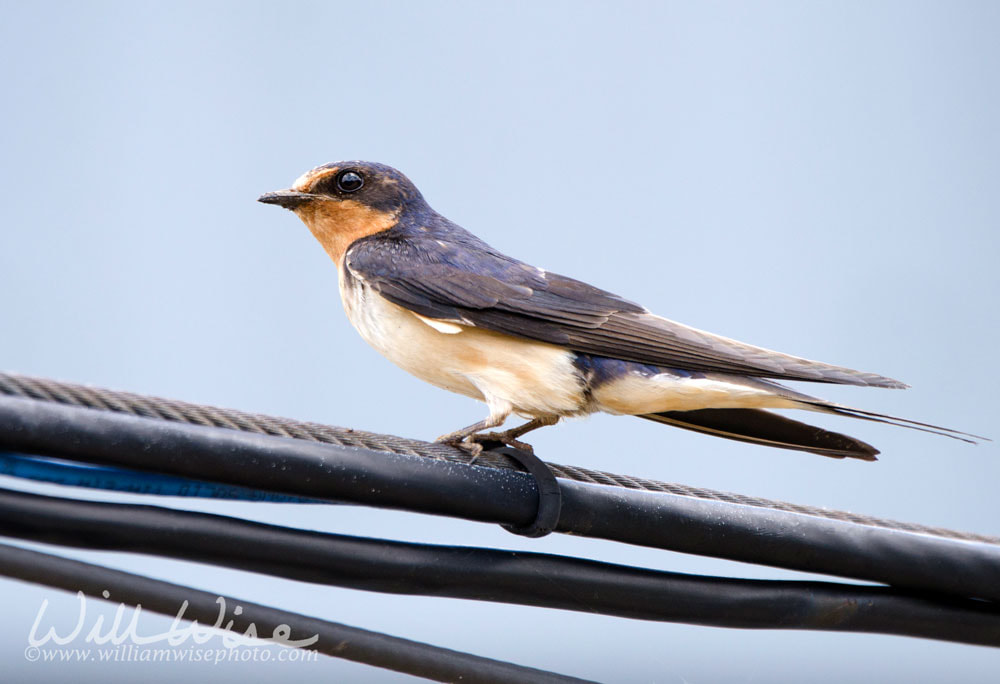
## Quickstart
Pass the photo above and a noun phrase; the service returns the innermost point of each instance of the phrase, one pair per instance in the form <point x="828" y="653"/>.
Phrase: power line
<point x="516" y="577"/>
<point x="334" y="639"/>
<point x="437" y="481"/>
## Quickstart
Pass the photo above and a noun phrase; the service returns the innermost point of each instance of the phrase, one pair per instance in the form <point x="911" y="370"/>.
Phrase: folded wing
<point x="485" y="289"/>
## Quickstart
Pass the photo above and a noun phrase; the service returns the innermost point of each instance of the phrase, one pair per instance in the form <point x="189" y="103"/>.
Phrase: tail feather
<point x="837" y="409"/>
<point x="769" y="429"/>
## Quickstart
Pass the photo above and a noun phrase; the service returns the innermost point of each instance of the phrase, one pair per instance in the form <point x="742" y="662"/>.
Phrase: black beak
<point x="289" y="199"/>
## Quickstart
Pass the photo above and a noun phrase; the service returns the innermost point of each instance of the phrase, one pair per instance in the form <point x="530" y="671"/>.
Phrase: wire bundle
<point x="940" y="584"/>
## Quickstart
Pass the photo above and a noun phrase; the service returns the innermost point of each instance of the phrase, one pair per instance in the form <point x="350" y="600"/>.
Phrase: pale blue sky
<point x="819" y="178"/>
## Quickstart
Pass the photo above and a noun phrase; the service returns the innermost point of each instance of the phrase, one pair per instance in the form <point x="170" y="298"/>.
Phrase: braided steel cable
<point x="70" y="394"/>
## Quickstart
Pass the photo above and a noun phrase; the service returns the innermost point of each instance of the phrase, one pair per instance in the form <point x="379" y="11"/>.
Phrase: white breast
<point x="531" y="378"/>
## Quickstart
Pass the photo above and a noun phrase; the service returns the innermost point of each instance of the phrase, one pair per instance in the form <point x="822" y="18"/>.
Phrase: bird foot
<point x="474" y="444"/>
<point x="506" y="438"/>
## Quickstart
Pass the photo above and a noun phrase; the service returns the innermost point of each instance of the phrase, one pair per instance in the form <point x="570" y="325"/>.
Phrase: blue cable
<point x="73" y="473"/>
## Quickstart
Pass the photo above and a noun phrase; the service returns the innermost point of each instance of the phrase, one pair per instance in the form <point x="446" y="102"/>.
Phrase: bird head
<point x="342" y="202"/>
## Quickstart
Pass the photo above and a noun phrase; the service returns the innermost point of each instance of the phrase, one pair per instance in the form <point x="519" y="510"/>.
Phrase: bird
<point x="450" y="309"/>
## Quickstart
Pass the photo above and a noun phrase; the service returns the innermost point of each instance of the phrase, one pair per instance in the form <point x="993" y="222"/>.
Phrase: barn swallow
<point x="445" y="306"/>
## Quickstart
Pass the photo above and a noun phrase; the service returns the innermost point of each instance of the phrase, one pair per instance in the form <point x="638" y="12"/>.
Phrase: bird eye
<point x="349" y="181"/>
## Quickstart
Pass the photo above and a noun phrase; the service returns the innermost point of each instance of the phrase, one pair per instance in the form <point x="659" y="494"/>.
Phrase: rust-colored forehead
<point x="307" y="180"/>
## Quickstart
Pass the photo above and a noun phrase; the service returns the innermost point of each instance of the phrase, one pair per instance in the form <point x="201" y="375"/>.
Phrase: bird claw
<point x="476" y="443"/>
<point x="466" y="444"/>
<point x="473" y="448"/>
<point x="501" y="438"/>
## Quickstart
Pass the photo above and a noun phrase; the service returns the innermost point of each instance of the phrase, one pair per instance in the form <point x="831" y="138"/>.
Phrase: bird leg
<point x="510" y="437"/>
<point x="463" y="438"/>
<point x="460" y="435"/>
<point x="471" y="438"/>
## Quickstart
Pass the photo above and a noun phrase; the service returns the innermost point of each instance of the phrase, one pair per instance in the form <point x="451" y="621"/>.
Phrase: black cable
<point x="335" y="639"/>
<point x="712" y="527"/>
<point x="86" y="396"/>
<point x="490" y="575"/>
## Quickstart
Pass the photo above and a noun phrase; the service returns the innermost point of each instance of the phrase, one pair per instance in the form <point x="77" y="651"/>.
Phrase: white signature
<point x="174" y="636"/>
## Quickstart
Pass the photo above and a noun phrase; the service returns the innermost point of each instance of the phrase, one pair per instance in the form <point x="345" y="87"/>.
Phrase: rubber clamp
<point x="549" y="494"/>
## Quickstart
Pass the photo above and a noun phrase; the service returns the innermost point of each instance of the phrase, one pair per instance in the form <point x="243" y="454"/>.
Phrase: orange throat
<point x="338" y="224"/>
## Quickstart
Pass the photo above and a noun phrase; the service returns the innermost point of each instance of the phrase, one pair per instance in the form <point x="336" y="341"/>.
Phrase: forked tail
<point x="768" y="429"/>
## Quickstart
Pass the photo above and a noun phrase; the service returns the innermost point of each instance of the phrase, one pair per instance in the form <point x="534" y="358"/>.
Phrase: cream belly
<point x="532" y="379"/>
